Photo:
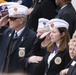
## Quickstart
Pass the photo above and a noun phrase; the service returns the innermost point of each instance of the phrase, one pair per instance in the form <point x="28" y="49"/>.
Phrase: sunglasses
<point x="13" y="18"/>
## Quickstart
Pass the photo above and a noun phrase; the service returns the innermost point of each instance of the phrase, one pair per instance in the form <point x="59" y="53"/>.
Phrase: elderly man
<point x="16" y="41"/>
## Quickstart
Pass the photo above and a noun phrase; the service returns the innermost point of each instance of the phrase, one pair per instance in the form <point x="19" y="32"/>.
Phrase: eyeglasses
<point x="13" y="18"/>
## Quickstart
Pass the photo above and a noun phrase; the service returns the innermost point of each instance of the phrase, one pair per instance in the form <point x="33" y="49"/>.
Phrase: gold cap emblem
<point x="52" y="25"/>
<point x="15" y="9"/>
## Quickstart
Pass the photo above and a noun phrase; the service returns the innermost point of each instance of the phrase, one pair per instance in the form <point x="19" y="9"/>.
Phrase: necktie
<point x="15" y="35"/>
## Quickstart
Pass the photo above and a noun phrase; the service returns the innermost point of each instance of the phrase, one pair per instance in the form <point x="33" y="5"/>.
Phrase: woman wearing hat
<point x="57" y="56"/>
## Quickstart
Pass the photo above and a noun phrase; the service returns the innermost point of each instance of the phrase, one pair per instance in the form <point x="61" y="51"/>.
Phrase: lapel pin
<point x="9" y="34"/>
<point x="22" y="38"/>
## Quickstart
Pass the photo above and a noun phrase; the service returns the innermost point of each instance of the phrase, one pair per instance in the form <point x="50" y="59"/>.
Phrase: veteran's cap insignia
<point x="52" y="25"/>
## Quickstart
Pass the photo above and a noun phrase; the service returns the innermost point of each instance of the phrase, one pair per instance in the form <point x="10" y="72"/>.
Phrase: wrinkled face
<point x="55" y="35"/>
<point x="15" y="22"/>
<point x="72" y="51"/>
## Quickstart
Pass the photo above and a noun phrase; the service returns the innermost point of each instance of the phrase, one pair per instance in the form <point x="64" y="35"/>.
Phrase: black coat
<point x="25" y="40"/>
<point x="38" y="51"/>
<point x="68" y="13"/>
<point x="54" y="67"/>
<point x="41" y="67"/>
<point x="72" y="68"/>
<point x="43" y="9"/>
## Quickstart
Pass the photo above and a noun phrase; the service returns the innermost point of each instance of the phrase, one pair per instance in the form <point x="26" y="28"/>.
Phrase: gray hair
<point x="23" y="16"/>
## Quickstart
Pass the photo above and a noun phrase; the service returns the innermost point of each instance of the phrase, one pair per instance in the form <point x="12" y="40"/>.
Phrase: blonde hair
<point x="73" y="40"/>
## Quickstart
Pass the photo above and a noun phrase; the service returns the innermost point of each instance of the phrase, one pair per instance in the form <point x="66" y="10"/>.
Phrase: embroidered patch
<point x="15" y="9"/>
<point x="21" y="52"/>
<point x="52" y="25"/>
<point x="58" y="60"/>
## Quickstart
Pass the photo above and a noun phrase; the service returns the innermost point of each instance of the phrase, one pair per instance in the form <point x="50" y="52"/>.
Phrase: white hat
<point x="57" y="23"/>
<point x="17" y="9"/>
<point x="42" y="23"/>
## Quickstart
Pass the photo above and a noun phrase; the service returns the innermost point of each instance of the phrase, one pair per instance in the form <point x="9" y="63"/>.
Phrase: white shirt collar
<point x="63" y="6"/>
<point x="20" y="31"/>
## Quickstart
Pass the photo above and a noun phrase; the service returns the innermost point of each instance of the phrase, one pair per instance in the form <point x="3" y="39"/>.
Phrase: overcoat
<point x="12" y="59"/>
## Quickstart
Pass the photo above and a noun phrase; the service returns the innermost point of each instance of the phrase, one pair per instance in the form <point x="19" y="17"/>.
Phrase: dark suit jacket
<point x="28" y="3"/>
<point x="25" y="40"/>
<point x="43" y="9"/>
<point x="72" y="68"/>
<point x="68" y="13"/>
<point x="54" y="67"/>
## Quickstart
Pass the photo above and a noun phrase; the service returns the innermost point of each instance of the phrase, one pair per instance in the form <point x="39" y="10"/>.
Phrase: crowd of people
<point x="37" y="37"/>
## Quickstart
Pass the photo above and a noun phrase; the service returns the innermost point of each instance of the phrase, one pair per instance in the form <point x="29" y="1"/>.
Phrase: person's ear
<point x="62" y="35"/>
<point x="21" y="21"/>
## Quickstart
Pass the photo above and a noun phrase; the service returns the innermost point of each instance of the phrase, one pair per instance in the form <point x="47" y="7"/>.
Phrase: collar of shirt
<point x="20" y="31"/>
<point x="51" y="56"/>
<point x="63" y="6"/>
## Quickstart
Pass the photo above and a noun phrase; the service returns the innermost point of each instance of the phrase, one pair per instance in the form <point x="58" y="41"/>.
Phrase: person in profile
<point x="16" y="41"/>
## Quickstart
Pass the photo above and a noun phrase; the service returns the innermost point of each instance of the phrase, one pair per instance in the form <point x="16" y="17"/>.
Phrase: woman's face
<point x="72" y="51"/>
<point x="55" y="35"/>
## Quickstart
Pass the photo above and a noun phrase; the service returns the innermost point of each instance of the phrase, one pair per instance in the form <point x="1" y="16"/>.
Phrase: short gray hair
<point x="23" y="16"/>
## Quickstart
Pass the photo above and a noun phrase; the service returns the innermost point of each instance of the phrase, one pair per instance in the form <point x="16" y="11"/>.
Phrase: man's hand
<point x="4" y="21"/>
<point x="30" y="10"/>
<point x="64" y="72"/>
<point x="35" y="59"/>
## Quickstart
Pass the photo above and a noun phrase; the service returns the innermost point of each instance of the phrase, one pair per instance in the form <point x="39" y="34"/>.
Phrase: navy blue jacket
<point x="25" y="40"/>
